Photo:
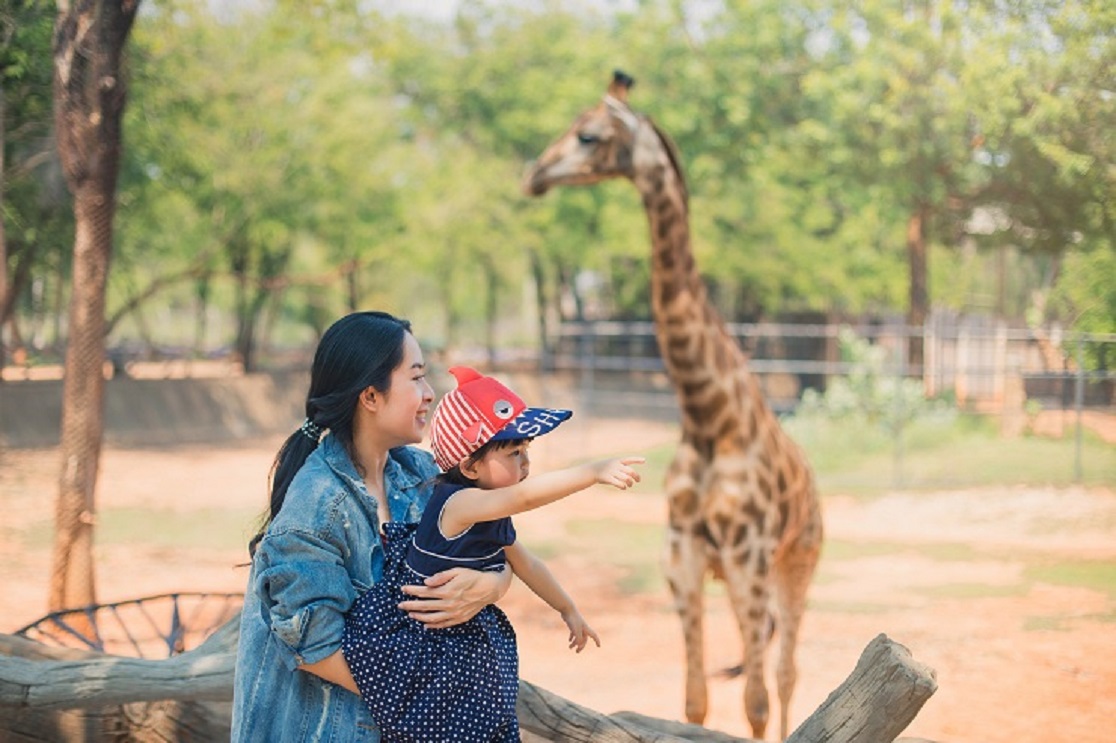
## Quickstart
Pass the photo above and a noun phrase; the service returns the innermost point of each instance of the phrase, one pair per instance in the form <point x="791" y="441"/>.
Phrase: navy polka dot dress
<point x="456" y="685"/>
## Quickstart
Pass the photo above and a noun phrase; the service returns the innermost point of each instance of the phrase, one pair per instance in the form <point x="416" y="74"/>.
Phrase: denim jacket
<point x="318" y="555"/>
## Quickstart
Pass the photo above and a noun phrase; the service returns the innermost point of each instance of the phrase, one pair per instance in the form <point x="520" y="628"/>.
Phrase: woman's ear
<point x="369" y="399"/>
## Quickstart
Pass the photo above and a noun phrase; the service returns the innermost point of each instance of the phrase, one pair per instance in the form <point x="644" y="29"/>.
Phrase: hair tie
<point x="311" y="430"/>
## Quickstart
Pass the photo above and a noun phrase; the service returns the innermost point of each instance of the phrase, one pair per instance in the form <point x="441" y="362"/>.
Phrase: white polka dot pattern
<point x="456" y="685"/>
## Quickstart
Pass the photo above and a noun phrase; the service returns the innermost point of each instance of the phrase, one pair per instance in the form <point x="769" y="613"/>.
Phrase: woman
<point x="335" y="480"/>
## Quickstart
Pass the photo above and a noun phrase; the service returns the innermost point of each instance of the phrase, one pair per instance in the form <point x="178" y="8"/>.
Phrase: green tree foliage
<point x="288" y="160"/>
<point x="36" y="222"/>
<point x="1047" y="143"/>
<point x="278" y="169"/>
<point x="1085" y="297"/>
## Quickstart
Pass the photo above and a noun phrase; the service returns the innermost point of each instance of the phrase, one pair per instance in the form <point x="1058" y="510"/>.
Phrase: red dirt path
<point x="1017" y="659"/>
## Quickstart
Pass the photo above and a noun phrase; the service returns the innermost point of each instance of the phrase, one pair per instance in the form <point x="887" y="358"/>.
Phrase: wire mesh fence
<point x="1020" y="382"/>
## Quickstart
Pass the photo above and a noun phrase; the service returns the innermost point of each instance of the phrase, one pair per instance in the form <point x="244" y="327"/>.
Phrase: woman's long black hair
<point x="358" y="351"/>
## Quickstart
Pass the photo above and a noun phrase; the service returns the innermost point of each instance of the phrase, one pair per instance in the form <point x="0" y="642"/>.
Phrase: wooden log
<point x="98" y="720"/>
<point x="204" y="674"/>
<point x="876" y="702"/>
<point x="141" y="722"/>
<point x="71" y="695"/>
<point x="553" y="718"/>
<point x="684" y="730"/>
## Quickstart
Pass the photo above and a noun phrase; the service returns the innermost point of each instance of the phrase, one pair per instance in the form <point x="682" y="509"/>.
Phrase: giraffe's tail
<point x="731" y="672"/>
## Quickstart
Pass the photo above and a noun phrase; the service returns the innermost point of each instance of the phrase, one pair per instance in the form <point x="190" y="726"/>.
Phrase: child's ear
<point x="469" y="468"/>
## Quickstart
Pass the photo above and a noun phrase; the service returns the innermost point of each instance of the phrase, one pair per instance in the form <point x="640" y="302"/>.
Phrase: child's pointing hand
<point x="619" y="473"/>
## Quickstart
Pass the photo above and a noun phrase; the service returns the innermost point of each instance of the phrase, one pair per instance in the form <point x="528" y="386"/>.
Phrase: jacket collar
<point x="401" y="471"/>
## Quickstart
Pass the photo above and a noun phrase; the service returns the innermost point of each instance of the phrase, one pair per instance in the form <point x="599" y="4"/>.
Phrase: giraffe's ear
<point x="618" y="88"/>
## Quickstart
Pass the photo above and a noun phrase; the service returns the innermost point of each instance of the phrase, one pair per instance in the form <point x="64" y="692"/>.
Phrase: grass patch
<point x="654" y="471"/>
<point x="861" y="458"/>
<point x="974" y="591"/>
<point x="206" y="528"/>
<point x="848" y="607"/>
<point x="1062" y="623"/>
<point x="545" y="550"/>
<point x="1049" y="624"/>
<point x="835" y="549"/>
<point x="635" y="548"/>
<point x="644" y="578"/>
<point x="1095" y="575"/>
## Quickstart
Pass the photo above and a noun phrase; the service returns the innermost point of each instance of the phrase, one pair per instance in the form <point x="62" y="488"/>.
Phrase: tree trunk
<point x="491" y="307"/>
<point x="542" y="310"/>
<point x="3" y="240"/>
<point x="352" y="287"/>
<point x="89" y="98"/>
<point x="244" y="343"/>
<point x="201" y="309"/>
<point x="919" y="298"/>
<point x="17" y="281"/>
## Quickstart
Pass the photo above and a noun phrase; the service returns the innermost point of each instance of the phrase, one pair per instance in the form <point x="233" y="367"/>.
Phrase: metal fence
<point x="981" y="363"/>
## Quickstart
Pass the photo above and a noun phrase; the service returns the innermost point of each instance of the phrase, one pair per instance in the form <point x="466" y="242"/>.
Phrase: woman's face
<point x="405" y="407"/>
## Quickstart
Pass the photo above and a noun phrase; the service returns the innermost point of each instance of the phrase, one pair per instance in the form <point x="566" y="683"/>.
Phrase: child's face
<point x="499" y="468"/>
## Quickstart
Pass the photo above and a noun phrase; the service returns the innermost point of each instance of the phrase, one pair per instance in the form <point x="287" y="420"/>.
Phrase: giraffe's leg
<point x="792" y="579"/>
<point x="746" y="582"/>
<point x="685" y="571"/>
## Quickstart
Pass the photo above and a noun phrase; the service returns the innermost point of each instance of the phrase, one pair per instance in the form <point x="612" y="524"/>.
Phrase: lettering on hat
<point x="542" y="421"/>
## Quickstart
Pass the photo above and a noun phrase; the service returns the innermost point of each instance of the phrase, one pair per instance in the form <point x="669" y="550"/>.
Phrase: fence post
<point x="930" y="371"/>
<point x="960" y="378"/>
<point x="588" y="346"/>
<point x="1078" y="404"/>
<point x="999" y="365"/>
<point x="900" y="377"/>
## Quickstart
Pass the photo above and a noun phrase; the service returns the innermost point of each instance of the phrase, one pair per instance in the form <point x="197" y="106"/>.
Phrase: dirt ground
<point x="957" y="577"/>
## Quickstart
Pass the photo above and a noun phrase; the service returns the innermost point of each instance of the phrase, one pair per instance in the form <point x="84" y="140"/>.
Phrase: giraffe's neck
<point x="701" y="357"/>
<point x="678" y="296"/>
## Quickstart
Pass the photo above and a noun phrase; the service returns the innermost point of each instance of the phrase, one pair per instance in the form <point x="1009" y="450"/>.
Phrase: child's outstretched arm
<point x="532" y="571"/>
<point x="467" y="507"/>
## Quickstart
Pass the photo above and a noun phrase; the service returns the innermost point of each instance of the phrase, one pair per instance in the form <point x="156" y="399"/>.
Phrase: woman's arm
<point x="334" y="669"/>
<point x="471" y="505"/>
<point x="302" y="579"/>
<point x="455" y="596"/>
<point x="534" y="572"/>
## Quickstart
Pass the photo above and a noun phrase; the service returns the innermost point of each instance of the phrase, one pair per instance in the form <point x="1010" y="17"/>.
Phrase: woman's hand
<point x="455" y="596"/>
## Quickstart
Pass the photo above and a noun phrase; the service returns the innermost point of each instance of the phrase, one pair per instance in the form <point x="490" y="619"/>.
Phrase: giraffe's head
<point x="600" y="144"/>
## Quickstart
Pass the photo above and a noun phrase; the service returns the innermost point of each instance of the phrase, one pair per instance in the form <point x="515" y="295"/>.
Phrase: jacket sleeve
<point x="305" y="589"/>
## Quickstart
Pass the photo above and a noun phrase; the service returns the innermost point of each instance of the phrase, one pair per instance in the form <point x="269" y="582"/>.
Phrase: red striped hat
<point x="480" y="410"/>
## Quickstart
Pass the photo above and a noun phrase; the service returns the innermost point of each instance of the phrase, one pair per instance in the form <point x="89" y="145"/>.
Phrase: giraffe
<point x="742" y="502"/>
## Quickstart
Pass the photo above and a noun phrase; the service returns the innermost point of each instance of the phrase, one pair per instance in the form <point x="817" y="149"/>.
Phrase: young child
<point x="460" y="683"/>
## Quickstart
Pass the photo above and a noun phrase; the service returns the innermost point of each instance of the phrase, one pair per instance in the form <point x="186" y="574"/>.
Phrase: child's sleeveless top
<point x="453" y="684"/>
<point x="481" y="547"/>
